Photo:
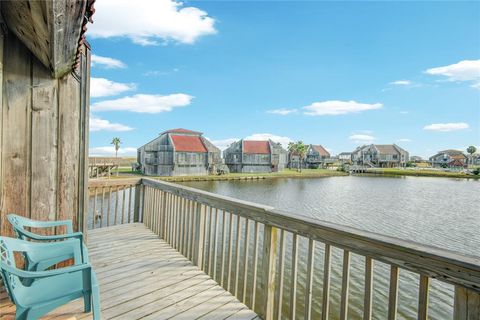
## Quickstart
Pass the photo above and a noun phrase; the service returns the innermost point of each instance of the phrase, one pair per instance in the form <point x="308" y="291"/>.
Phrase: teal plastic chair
<point x="49" y="289"/>
<point x="20" y="224"/>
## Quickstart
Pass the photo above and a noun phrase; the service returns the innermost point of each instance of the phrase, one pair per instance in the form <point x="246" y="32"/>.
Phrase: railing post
<point x="466" y="304"/>
<point x="138" y="196"/>
<point x="268" y="271"/>
<point x="199" y="234"/>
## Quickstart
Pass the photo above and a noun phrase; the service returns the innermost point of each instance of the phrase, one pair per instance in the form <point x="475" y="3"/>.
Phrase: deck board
<point x="142" y="277"/>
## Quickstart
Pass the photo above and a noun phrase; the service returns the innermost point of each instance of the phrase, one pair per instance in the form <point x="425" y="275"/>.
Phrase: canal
<point x="438" y="212"/>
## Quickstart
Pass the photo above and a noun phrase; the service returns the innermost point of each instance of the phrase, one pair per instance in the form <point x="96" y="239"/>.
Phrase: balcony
<point x="163" y="250"/>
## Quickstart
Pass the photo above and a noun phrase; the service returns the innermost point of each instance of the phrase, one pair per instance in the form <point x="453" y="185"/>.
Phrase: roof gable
<point x="188" y="143"/>
<point x="386" y="149"/>
<point x="181" y="130"/>
<point x="257" y="147"/>
<point x="321" y="150"/>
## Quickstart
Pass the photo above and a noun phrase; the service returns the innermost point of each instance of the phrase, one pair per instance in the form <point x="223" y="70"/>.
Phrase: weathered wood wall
<point x="43" y="137"/>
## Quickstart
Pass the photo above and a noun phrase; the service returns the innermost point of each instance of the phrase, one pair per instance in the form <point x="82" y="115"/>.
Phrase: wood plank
<point x="345" y="285"/>
<point x="423" y="298"/>
<point x="44" y="146"/>
<point x="466" y="304"/>
<point x="326" y="282"/>
<point x="68" y="148"/>
<point x="16" y="115"/>
<point x="293" y="278"/>
<point x="368" y="295"/>
<point x="157" y="283"/>
<point x="270" y="237"/>
<point x="309" y="280"/>
<point x="393" y="293"/>
<point x="281" y="271"/>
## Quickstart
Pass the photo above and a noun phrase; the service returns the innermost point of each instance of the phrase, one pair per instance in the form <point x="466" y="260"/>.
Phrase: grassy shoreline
<point x="420" y="173"/>
<point x="306" y="173"/>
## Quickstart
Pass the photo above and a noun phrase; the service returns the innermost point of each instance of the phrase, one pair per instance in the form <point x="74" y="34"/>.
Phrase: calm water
<point x="434" y="211"/>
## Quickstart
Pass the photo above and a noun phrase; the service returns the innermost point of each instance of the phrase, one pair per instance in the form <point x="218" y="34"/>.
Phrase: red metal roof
<point x="181" y="130"/>
<point x="257" y="147"/>
<point x="188" y="143"/>
<point x="321" y="150"/>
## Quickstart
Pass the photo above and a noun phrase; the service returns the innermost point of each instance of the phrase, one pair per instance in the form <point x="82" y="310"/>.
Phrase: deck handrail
<point x="188" y="219"/>
<point x="454" y="268"/>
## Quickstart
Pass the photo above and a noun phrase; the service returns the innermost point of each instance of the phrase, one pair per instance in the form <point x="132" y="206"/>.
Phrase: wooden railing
<point x="113" y="202"/>
<point x="243" y="245"/>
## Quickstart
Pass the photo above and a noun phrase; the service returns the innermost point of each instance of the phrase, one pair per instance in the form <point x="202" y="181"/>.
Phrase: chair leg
<point x="96" y="302"/>
<point x="87" y="300"/>
<point x="21" y="314"/>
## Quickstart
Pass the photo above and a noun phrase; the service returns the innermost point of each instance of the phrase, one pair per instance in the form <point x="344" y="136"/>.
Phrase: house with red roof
<point x="317" y="156"/>
<point x="179" y="152"/>
<point x="255" y="156"/>
<point x="449" y="159"/>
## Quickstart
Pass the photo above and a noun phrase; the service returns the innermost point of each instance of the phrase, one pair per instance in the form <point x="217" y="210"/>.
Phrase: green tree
<point x="116" y="142"/>
<point x="300" y="149"/>
<point x="471" y="150"/>
<point x="302" y="152"/>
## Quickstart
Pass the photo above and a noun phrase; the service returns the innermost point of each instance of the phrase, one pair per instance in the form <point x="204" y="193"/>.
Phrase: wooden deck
<point x="142" y="277"/>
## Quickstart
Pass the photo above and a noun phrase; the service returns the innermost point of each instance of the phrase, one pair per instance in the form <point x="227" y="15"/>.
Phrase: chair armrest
<point x="47" y="224"/>
<point x="44" y="274"/>
<point x="39" y="237"/>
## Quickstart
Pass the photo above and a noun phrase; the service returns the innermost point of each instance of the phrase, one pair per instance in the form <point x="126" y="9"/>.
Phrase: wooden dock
<point x="143" y="277"/>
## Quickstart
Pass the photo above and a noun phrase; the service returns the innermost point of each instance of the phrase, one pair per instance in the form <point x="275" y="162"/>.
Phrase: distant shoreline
<point x="417" y="173"/>
<point x="306" y="173"/>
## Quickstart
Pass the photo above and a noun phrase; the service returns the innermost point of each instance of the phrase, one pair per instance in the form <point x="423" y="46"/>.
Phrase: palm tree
<point x="116" y="142"/>
<point x="292" y="149"/>
<point x="300" y="149"/>
<point x="471" y="150"/>
<point x="302" y="152"/>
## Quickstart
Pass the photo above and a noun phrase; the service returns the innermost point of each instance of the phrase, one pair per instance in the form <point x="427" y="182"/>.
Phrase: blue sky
<point x="338" y="74"/>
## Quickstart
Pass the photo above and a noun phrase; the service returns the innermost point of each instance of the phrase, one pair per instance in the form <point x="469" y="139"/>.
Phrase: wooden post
<point x="466" y="304"/>
<point x="136" y="209"/>
<point x="200" y="234"/>
<point x="268" y="270"/>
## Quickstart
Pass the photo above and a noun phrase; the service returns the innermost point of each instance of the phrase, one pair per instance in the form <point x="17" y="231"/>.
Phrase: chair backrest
<point x="7" y="257"/>
<point x="17" y="223"/>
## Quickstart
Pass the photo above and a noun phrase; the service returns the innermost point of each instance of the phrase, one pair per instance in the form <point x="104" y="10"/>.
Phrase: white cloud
<point x="335" y="107"/>
<point x="465" y="70"/>
<point x="401" y="82"/>
<point x="97" y="124"/>
<point x="362" y="138"/>
<point x="109" y="151"/>
<point x="404" y="112"/>
<point x="223" y="144"/>
<point x="404" y="140"/>
<point x="106" y="62"/>
<point x="148" y="22"/>
<point x="282" y="111"/>
<point x="266" y="136"/>
<point x="446" y="127"/>
<point x="476" y="85"/>
<point x="145" y="103"/>
<point x="157" y="73"/>
<point x="101" y="87"/>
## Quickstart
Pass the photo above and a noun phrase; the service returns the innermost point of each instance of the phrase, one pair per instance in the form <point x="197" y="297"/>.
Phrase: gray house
<point x="317" y="156"/>
<point x="345" y="157"/>
<point x="380" y="155"/>
<point x="179" y="152"/>
<point x="449" y="158"/>
<point x="255" y="156"/>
